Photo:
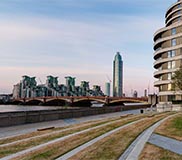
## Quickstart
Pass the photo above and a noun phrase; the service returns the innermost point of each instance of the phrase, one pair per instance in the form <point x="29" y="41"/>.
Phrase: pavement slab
<point x="54" y="141"/>
<point x="137" y="146"/>
<point x="170" y="144"/>
<point x="27" y="128"/>
<point x="80" y="148"/>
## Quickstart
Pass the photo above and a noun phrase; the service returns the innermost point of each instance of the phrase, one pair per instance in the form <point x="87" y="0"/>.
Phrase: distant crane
<point x="108" y="78"/>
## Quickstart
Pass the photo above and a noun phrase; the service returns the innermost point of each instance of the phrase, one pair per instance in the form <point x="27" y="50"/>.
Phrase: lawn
<point x="152" y="152"/>
<point x="171" y="128"/>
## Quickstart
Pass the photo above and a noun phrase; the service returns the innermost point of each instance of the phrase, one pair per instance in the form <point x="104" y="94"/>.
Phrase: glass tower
<point x="117" y="76"/>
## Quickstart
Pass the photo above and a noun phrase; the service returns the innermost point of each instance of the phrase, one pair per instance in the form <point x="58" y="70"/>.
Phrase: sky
<point x="79" y="38"/>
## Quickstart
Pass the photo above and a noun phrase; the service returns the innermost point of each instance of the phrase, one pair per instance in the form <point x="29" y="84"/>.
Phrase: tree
<point x="177" y="79"/>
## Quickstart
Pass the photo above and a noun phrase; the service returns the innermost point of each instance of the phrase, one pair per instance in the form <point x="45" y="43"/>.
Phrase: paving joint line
<point x="91" y="142"/>
<point x="53" y="141"/>
<point x="138" y="145"/>
<point x="54" y="132"/>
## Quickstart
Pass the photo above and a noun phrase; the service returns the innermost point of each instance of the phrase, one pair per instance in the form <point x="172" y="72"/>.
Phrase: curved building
<point x="168" y="55"/>
<point x="117" y="76"/>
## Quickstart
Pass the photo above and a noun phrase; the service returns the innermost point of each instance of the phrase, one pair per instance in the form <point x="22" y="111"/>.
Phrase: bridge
<point x="78" y="100"/>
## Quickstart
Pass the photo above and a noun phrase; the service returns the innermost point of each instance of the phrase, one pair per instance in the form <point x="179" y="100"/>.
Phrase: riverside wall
<point x="24" y="117"/>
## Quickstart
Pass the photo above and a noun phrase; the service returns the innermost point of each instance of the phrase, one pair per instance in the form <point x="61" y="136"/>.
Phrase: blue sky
<point x="79" y="38"/>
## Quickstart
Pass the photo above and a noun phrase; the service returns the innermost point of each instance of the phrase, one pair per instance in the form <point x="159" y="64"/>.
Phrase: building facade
<point x="168" y="55"/>
<point x="117" y="76"/>
<point x="107" y="88"/>
<point x="28" y="88"/>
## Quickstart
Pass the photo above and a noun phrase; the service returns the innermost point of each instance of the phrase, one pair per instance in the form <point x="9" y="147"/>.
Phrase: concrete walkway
<point x="41" y="136"/>
<point x="137" y="146"/>
<point x="27" y="128"/>
<point x="130" y="148"/>
<point x="78" y="149"/>
<point x="52" y="133"/>
<point x="54" y="141"/>
<point x="170" y="144"/>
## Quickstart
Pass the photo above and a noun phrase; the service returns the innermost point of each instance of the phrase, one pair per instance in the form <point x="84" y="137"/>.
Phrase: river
<point x="14" y="108"/>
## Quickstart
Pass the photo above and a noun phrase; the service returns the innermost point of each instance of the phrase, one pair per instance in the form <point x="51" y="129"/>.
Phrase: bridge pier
<point x="107" y="101"/>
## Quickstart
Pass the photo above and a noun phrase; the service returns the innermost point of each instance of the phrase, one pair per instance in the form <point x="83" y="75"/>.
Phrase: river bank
<point x="10" y="118"/>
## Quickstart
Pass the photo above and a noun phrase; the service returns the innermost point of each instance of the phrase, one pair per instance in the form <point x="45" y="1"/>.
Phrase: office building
<point x="168" y="55"/>
<point x="145" y="93"/>
<point x="117" y="75"/>
<point x="107" y="88"/>
<point x="135" y="94"/>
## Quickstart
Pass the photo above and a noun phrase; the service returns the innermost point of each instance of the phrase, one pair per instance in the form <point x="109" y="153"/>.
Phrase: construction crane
<point x="108" y="78"/>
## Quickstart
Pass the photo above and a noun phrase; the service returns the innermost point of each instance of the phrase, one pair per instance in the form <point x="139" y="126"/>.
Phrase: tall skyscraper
<point x="117" y="76"/>
<point x="168" y="55"/>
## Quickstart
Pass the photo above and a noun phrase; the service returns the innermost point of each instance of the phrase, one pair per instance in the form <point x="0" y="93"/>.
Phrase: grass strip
<point x="68" y="144"/>
<point x="152" y="152"/>
<point x="5" y="151"/>
<point x="38" y="133"/>
<point x="171" y="128"/>
<point x="114" y="145"/>
<point x="59" y="148"/>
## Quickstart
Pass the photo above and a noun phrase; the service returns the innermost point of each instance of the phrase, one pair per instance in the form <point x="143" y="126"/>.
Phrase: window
<point x="158" y="49"/>
<point x="179" y="18"/>
<point x="171" y="65"/>
<point x="173" y="42"/>
<point x="171" y="97"/>
<point x="169" y="76"/>
<point x="173" y="31"/>
<point x="169" y="87"/>
<point x="160" y="88"/>
<point x="171" y="53"/>
<point x="160" y="78"/>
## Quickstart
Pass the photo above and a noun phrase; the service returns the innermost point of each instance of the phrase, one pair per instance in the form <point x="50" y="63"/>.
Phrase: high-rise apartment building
<point x="107" y="89"/>
<point x="168" y="55"/>
<point x="117" y="76"/>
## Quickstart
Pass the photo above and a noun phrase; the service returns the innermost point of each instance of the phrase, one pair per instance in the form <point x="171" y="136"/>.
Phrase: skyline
<point x="47" y="38"/>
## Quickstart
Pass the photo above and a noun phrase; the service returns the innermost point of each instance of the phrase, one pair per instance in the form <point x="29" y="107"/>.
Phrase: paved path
<point x="138" y="145"/>
<point x="53" y="133"/>
<point x="41" y="136"/>
<point x="54" y="141"/>
<point x="27" y="128"/>
<point x="130" y="148"/>
<point x="78" y="149"/>
<point x="170" y="144"/>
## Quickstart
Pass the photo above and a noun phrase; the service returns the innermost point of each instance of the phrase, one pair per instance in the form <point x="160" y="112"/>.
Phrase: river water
<point x="14" y="108"/>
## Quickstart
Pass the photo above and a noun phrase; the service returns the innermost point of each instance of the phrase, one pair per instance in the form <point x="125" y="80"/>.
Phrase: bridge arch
<point x="55" y="102"/>
<point x="18" y="102"/>
<point x="34" y="102"/>
<point x="87" y="102"/>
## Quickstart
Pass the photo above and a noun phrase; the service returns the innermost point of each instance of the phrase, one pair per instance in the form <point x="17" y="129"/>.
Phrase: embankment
<point x="23" y="117"/>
